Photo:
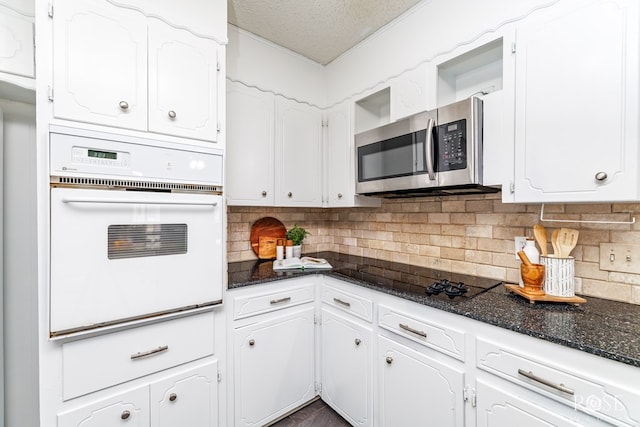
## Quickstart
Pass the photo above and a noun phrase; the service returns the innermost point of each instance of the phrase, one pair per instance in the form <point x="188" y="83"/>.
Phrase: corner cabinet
<point x="346" y="352"/>
<point x="577" y="103"/>
<point x="339" y="168"/>
<point x="159" y="78"/>
<point x="274" y="149"/>
<point x="272" y="348"/>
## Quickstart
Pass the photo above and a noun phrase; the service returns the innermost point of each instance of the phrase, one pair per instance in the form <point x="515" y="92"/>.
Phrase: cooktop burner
<point x="451" y="290"/>
<point x="460" y="287"/>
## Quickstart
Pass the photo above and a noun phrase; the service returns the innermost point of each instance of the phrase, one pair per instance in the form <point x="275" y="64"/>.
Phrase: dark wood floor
<point x="316" y="414"/>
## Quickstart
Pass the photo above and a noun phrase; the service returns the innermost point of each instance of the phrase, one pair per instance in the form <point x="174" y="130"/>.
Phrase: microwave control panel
<point x="452" y="146"/>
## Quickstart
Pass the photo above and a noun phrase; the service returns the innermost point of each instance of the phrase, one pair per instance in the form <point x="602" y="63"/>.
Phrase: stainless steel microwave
<point x="436" y="152"/>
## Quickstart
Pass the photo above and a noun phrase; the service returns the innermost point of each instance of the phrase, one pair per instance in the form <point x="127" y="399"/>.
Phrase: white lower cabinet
<point x="500" y="408"/>
<point x="346" y="352"/>
<point x="387" y="361"/>
<point x="188" y="398"/>
<point x="275" y="365"/>
<point x="417" y="390"/>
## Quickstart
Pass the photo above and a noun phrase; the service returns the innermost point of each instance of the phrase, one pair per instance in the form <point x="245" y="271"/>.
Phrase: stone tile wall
<point x="470" y="234"/>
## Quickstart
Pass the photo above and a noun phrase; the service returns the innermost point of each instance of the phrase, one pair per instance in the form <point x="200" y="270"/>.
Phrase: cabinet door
<point x="411" y="94"/>
<point x="186" y="399"/>
<point x="128" y="409"/>
<point x="16" y="49"/>
<point x="499" y="408"/>
<point x="346" y="367"/>
<point x="299" y="154"/>
<point x="274" y="366"/>
<point x="339" y="166"/>
<point x="577" y="104"/>
<point x="416" y="389"/>
<point x="183" y="88"/>
<point x="250" y="146"/>
<point x="100" y="64"/>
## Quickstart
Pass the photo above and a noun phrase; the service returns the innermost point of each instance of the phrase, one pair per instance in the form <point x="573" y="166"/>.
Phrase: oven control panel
<point x="81" y="153"/>
<point x="100" y="157"/>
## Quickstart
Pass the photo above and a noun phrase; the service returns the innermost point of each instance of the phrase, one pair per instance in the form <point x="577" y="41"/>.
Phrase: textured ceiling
<point x="318" y="29"/>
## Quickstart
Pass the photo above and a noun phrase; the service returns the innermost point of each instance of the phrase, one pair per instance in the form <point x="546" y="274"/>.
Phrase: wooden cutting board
<point x="266" y="227"/>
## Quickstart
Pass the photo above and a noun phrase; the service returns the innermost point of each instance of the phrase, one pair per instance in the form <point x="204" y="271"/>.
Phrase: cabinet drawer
<point x="580" y="390"/>
<point x="99" y="362"/>
<point x="356" y="305"/>
<point x="250" y="305"/>
<point x="445" y="339"/>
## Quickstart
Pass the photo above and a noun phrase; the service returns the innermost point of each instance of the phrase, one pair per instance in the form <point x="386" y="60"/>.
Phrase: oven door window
<point x="145" y="240"/>
<point x="395" y="157"/>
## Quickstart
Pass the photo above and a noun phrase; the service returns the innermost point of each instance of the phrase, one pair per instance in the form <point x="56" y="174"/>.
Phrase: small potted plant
<point x="297" y="235"/>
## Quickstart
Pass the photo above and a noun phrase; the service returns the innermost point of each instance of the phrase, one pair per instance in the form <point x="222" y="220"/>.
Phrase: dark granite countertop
<point x="601" y="327"/>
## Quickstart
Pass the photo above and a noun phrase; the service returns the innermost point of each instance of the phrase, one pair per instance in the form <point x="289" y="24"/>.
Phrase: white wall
<point x="428" y="31"/>
<point x="20" y="270"/>
<point x="257" y="62"/>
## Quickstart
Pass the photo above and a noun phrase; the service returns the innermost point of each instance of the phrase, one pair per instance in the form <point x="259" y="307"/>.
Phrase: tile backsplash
<point x="468" y="234"/>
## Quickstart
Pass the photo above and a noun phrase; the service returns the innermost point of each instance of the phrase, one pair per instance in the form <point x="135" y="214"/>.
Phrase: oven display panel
<point x="97" y="157"/>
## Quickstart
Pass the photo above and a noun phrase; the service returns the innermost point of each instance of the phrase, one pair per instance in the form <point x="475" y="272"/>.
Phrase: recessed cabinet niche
<point x="114" y="67"/>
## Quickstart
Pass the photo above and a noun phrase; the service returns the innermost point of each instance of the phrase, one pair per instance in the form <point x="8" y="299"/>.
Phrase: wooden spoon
<point x="567" y="240"/>
<point x="540" y="235"/>
<point x="554" y="242"/>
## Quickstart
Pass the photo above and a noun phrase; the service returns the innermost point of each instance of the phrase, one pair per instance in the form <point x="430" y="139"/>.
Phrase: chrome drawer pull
<point x="125" y="415"/>
<point x="153" y="352"/>
<point x="559" y="387"/>
<point x="281" y="300"/>
<point x="339" y="301"/>
<point x="413" y="331"/>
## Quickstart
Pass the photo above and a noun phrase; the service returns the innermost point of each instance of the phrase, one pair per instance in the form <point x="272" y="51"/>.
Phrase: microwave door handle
<point x="134" y="201"/>
<point x="431" y="172"/>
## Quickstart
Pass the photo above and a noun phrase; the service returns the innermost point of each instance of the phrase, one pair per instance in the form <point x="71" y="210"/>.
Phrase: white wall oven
<point x="136" y="230"/>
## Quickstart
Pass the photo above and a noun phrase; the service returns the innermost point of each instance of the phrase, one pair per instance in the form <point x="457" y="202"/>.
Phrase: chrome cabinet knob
<point x="264" y="193"/>
<point x="389" y="360"/>
<point x="172" y="114"/>
<point x="357" y="341"/>
<point x="339" y="195"/>
<point x="601" y="176"/>
<point x="252" y="343"/>
<point x="125" y="415"/>
<point x="290" y="194"/>
<point x="124" y="105"/>
<point x="173" y="397"/>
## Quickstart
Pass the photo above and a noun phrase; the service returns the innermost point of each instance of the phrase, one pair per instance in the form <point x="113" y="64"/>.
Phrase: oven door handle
<point x="134" y="201"/>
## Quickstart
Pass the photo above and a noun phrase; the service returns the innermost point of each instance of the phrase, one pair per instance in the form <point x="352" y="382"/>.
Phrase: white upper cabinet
<point x="115" y="67"/>
<point x="410" y="92"/>
<point x="576" y="123"/>
<point x="16" y="33"/>
<point x="100" y="64"/>
<point x="183" y="83"/>
<point x="298" y="154"/>
<point x="250" y="146"/>
<point x="339" y="167"/>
